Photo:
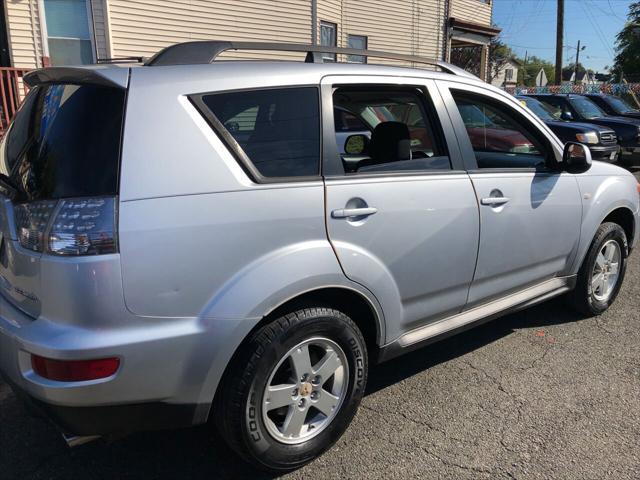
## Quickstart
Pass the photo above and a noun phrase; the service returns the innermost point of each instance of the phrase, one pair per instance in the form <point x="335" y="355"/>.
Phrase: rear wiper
<point x="8" y="187"/>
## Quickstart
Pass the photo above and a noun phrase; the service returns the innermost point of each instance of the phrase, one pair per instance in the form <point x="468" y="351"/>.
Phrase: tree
<point x="499" y="56"/>
<point x="627" y="58"/>
<point x="528" y="72"/>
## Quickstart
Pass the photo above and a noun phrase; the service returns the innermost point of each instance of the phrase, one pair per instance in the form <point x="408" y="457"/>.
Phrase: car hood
<point x="611" y="120"/>
<point x="635" y="115"/>
<point x="579" y="127"/>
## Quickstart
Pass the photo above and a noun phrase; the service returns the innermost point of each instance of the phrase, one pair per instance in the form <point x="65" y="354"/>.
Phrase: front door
<point x="530" y="212"/>
<point x="401" y="211"/>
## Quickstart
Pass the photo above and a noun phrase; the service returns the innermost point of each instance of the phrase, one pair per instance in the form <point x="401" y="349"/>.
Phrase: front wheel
<point x="602" y="272"/>
<point x="293" y="388"/>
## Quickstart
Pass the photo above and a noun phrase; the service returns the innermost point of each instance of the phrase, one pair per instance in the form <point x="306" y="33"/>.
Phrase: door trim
<point x="516" y="301"/>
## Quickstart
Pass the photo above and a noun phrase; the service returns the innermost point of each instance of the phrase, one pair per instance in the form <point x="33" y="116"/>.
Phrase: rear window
<point x="65" y="142"/>
<point x="277" y="129"/>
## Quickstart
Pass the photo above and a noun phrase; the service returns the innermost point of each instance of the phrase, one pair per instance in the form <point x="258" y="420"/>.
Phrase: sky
<point x="530" y="26"/>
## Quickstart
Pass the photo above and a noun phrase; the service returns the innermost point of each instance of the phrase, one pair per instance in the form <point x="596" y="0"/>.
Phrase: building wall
<point x="410" y="27"/>
<point x="141" y="28"/>
<point x="475" y="11"/>
<point x="25" y="39"/>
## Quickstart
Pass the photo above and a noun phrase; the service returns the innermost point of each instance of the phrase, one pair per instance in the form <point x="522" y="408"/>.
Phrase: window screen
<point x="278" y="129"/>
<point x="359" y="42"/>
<point x="328" y="38"/>
<point x="68" y="33"/>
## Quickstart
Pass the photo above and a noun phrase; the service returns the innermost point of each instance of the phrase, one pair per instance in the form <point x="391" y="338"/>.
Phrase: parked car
<point x="580" y="109"/>
<point x="602" y="141"/>
<point x="159" y="269"/>
<point x="613" y="105"/>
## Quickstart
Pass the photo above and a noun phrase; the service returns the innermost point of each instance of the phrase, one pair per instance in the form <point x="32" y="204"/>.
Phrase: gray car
<point x="184" y="240"/>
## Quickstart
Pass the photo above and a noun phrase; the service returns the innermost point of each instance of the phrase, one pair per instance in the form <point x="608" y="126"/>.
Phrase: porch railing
<point x="12" y="92"/>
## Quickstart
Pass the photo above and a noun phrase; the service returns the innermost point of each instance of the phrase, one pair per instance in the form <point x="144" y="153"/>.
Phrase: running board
<point x="432" y="332"/>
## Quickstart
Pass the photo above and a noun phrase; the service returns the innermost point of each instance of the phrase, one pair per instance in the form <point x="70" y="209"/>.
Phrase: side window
<point x="277" y="129"/>
<point x="380" y="129"/>
<point x="499" y="135"/>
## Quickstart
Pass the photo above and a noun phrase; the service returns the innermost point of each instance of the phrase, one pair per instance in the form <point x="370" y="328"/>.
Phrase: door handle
<point x="494" y="200"/>
<point x="353" y="212"/>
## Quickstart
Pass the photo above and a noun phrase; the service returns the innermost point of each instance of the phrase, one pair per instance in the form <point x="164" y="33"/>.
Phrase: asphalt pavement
<point x="540" y="394"/>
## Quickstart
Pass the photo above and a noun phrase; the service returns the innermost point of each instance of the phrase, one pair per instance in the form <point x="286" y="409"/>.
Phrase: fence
<point x="12" y="92"/>
<point x="619" y="89"/>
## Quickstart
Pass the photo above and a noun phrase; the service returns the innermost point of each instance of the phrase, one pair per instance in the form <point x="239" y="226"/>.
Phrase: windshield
<point x="619" y="105"/>
<point x="65" y="142"/>
<point x="586" y="108"/>
<point x="539" y="108"/>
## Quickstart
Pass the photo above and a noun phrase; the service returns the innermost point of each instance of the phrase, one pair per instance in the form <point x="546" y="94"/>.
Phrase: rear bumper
<point x="155" y="387"/>
<point x="112" y="419"/>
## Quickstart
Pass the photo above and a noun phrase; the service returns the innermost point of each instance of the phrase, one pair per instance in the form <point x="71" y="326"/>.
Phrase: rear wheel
<point x="602" y="272"/>
<point x="293" y="388"/>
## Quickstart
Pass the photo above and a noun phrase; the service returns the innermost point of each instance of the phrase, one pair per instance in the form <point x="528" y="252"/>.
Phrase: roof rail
<point x="203" y="52"/>
<point x="121" y="60"/>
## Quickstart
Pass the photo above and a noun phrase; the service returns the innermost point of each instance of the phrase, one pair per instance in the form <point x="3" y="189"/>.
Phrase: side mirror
<point x="576" y="157"/>
<point x="566" y="116"/>
<point x="356" y="144"/>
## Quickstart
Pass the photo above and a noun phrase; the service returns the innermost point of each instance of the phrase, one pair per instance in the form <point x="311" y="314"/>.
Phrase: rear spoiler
<point x="107" y="76"/>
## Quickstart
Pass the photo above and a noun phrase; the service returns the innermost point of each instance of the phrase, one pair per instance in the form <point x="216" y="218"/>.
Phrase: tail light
<point x="74" y="370"/>
<point x="69" y="227"/>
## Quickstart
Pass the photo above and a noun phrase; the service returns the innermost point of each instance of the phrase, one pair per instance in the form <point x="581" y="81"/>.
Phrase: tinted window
<point x="398" y="131"/>
<point x="278" y="129"/>
<point x="65" y="142"/>
<point x="500" y="137"/>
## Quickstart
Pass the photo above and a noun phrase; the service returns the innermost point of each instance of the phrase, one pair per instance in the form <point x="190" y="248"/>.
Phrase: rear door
<point x="530" y="212"/>
<point x="401" y="213"/>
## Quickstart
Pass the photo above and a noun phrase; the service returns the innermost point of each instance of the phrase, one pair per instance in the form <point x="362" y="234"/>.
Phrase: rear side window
<point x="277" y="129"/>
<point x="65" y="142"/>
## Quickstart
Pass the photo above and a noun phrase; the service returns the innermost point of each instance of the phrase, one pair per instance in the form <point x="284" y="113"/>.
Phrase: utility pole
<point x="575" y="68"/>
<point x="559" y="40"/>
<point x="524" y="69"/>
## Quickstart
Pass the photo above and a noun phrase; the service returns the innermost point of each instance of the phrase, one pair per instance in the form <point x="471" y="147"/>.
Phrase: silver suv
<point x="185" y="240"/>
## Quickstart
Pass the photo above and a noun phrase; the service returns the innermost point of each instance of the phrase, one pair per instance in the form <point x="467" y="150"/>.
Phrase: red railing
<point x="12" y="92"/>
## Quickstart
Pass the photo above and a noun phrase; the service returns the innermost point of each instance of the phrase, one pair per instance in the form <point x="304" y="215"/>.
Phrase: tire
<point x="591" y="300"/>
<point x="267" y="358"/>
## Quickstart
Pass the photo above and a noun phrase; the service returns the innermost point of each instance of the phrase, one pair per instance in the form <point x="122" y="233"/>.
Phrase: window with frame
<point x="68" y="32"/>
<point x="277" y="129"/>
<point x="358" y="42"/>
<point x="328" y="38"/>
<point x="499" y="135"/>
<point x="508" y="74"/>
<point x="387" y="129"/>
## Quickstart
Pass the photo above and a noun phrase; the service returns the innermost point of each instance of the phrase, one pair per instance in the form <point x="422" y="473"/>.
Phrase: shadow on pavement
<point x="553" y="312"/>
<point x="31" y="449"/>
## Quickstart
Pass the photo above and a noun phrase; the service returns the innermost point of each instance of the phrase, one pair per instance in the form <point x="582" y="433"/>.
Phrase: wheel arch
<point x="624" y="217"/>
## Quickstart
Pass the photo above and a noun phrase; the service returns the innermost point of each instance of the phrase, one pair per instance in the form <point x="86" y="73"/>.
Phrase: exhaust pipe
<point x="76" y="440"/>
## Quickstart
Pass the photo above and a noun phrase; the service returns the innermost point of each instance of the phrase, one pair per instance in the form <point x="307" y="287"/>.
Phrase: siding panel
<point x="476" y="11"/>
<point x="23" y="29"/>
<point x="141" y="28"/>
